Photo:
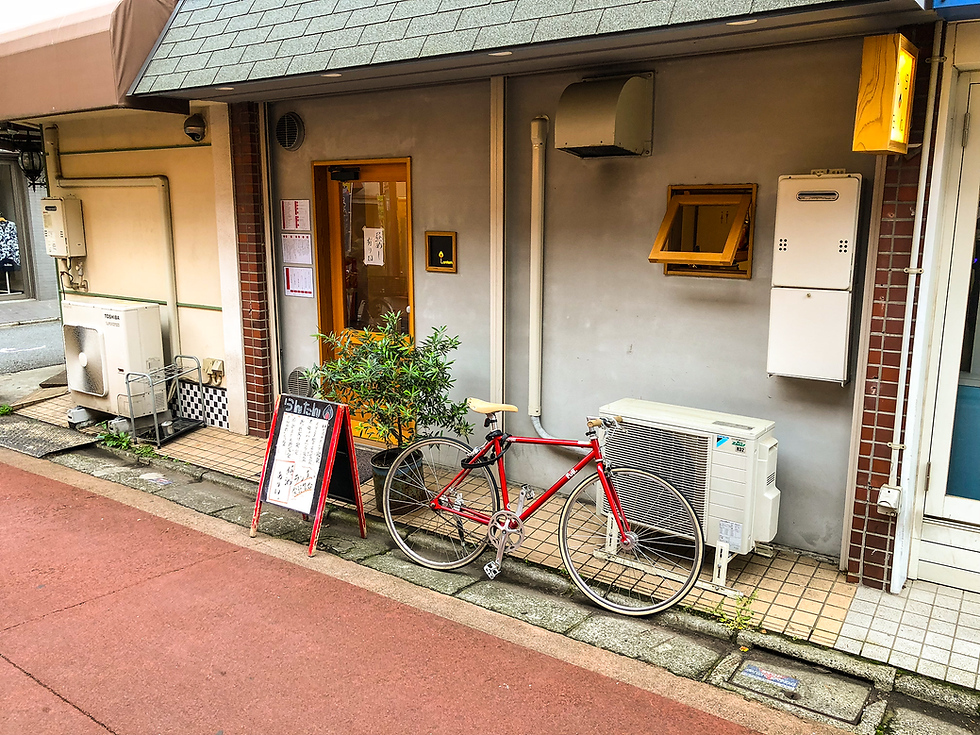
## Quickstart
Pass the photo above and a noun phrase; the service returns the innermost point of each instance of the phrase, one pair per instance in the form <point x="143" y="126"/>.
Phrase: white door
<point x="950" y="551"/>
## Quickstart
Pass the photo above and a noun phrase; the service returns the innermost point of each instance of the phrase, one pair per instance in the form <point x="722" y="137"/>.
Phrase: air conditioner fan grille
<point x="679" y="458"/>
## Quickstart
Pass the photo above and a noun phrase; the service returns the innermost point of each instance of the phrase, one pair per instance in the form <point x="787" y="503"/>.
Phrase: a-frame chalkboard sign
<point x="310" y="455"/>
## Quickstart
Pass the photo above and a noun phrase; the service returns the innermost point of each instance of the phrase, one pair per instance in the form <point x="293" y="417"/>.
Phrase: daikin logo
<point x="720" y="440"/>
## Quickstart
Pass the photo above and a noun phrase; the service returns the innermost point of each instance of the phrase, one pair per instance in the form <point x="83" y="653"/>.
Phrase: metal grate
<point x="297" y="383"/>
<point x="678" y="457"/>
<point x="290" y="131"/>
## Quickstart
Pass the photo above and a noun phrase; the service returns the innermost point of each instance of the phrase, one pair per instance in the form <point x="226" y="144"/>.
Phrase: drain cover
<point x="812" y="688"/>
<point x="37" y="439"/>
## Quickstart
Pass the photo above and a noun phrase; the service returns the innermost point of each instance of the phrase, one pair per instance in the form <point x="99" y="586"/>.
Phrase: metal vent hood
<point x="606" y="117"/>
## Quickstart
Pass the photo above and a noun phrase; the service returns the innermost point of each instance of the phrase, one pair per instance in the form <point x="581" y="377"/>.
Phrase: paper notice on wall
<point x="297" y="248"/>
<point x="299" y="282"/>
<point x="374" y="246"/>
<point x="296" y="214"/>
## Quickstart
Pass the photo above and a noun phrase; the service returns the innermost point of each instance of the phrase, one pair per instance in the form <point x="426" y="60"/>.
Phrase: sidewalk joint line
<point x="121" y="589"/>
<point x="71" y="704"/>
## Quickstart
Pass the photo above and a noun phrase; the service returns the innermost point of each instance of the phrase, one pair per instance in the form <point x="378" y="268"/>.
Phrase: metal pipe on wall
<point x="161" y="183"/>
<point x="497" y="236"/>
<point x="904" y="522"/>
<point x="539" y="139"/>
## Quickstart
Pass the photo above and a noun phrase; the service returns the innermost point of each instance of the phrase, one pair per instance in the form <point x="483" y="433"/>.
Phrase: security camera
<point x="195" y="128"/>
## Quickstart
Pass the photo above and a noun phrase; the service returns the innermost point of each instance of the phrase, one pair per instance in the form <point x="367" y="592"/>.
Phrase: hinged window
<point x="707" y="231"/>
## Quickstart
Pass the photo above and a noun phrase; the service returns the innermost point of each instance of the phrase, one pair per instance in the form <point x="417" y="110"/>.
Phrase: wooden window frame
<point x="735" y="261"/>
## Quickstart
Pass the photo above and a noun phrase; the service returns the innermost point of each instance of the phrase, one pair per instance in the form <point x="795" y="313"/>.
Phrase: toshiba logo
<point x="114" y="317"/>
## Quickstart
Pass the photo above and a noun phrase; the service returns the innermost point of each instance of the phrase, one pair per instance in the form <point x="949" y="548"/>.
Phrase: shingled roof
<point x="212" y="42"/>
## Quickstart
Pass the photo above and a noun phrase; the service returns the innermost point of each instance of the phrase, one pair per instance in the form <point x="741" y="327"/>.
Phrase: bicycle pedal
<point x="491" y="569"/>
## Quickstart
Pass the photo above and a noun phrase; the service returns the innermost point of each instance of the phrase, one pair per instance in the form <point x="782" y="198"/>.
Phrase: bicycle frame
<point x="496" y="442"/>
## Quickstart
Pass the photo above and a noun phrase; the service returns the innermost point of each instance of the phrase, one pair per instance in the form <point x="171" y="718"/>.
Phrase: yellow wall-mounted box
<point x="884" y="105"/>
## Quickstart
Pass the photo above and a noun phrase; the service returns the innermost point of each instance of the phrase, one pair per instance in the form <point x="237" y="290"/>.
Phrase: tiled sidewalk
<point x="929" y="629"/>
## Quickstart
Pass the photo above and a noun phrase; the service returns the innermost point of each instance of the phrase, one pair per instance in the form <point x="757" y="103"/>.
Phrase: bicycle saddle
<point x="479" y="406"/>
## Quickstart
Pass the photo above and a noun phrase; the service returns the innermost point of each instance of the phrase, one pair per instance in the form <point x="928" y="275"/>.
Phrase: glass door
<point x="954" y="488"/>
<point x="363" y="253"/>
<point x="364" y="243"/>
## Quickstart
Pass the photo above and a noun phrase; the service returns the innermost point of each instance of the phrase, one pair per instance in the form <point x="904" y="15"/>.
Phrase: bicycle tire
<point x="665" y="560"/>
<point x="437" y="539"/>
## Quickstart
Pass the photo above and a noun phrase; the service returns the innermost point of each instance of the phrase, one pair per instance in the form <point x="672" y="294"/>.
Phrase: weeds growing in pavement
<point x="742" y="617"/>
<point x="145" y="450"/>
<point x="5" y="410"/>
<point x="124" y="440"/>
<point x="115" y="439"/>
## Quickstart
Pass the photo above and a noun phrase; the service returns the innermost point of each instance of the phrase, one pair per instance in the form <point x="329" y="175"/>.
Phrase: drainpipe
<point x="539" y="139"/>
<point x="161" y="184"/>
<point x="903" y="527"/>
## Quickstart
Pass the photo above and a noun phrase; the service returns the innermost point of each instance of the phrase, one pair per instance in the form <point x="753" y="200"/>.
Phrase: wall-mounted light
<point x="884" y="107"/>
<point x="32" y="164"/>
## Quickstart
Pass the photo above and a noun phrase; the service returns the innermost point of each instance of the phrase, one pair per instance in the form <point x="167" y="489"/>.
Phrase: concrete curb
<point x="28" y="322"/>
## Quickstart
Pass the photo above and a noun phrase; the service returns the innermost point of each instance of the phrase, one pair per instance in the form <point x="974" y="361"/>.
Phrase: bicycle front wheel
<point x="661" y="558"/>
<point x="444" y="538"/>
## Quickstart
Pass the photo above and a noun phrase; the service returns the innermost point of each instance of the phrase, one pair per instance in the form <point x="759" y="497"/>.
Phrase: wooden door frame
<point x="326" y="231"/>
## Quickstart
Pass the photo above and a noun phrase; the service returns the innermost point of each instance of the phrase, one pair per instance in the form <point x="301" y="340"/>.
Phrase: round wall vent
<point x="290" y="131"/>
<point x="298" y="385"/>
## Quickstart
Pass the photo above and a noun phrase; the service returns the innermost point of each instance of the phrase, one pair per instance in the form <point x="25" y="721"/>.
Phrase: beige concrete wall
<point x="125" y="227"/>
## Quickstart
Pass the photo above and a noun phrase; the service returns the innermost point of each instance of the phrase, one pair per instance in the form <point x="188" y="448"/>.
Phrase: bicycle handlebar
<point x="595" y="422"/>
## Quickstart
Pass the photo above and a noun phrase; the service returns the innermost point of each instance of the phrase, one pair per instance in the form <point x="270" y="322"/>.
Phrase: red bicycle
<point x="630" y="541"/>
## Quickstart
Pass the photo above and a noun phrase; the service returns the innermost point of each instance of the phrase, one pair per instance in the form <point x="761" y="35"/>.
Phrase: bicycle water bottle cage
<point x="491" y="457"/>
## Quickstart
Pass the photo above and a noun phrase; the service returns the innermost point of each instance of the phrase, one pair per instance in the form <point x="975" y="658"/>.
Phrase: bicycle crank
<point x="505" y="532"/>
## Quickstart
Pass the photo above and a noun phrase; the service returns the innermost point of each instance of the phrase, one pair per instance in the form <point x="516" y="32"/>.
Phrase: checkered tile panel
<point x="212" y="406"/>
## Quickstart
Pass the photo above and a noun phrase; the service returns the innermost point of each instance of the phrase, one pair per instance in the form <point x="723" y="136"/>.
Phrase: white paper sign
<point x="374" y="246"/>
<point x="299" y="282"/>
<point x="295" y="214"/>
<point x="297" y="248"/>
<point x="293" y="473"/>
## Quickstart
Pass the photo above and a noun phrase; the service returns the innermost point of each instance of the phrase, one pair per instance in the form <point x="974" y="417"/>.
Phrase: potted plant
<point x="400" y="387"/>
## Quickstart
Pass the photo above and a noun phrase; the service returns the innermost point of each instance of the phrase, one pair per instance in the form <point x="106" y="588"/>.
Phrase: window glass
<point x="12" y="235"/>
<point x="374" y="235"/>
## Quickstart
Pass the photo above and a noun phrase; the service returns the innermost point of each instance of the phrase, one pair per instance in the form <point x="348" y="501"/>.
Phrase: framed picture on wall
<point x="440" y="252"/>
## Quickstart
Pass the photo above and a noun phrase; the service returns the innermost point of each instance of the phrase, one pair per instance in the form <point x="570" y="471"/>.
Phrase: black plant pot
<point x="380" y="465"/>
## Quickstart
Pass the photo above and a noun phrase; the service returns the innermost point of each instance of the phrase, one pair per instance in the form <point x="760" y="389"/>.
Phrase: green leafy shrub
<point x="401" y="387"/>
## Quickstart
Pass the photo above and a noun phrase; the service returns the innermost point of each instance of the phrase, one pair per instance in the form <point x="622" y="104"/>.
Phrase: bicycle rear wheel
<point x="662" y="560"/>
<point x="438" y="539"/>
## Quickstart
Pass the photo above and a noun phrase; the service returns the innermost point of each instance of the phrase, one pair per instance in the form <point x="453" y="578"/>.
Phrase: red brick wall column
<point x="250" y="224"/>
<point x="872" y="534"/>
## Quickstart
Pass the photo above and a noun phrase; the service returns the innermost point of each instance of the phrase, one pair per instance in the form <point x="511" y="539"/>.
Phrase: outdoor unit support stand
<point x="166" y="377"/>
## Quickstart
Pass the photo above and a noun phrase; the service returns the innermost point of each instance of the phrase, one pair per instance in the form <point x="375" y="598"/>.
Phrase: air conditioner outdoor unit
<point x="104" y="340"/>
<point x="725" y="465"/>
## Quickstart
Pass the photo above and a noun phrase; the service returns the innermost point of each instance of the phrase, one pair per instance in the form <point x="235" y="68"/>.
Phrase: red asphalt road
<point x="114" y="620"/>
